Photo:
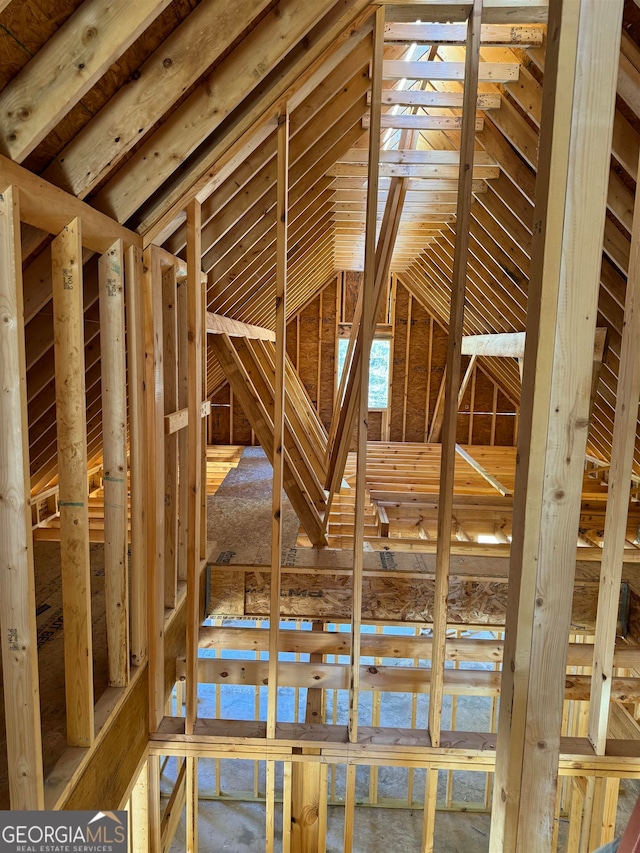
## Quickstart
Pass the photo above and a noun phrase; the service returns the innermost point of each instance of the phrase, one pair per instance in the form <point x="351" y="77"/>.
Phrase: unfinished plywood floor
<point x="239" y="514"/>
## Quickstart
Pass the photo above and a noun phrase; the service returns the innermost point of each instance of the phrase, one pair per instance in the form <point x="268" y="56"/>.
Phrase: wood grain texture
<point x="17" y="583"/>
<point x="68" y="315"/>
<point x="114" y="441"/>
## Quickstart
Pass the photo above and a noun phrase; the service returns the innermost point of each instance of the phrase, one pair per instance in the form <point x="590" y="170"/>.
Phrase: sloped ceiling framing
<point x="150" y="118"/>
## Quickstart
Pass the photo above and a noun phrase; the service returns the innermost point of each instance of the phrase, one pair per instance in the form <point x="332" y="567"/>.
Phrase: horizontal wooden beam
<point x="458" y="750"/>
<point x="489" y="72"/>
<point x="413" y="186"/>
<point x="416" y="157"/>
<point x="391" y="679"/>
<point x="456" y="34"/>
<point x="413" y="122"/>
<point x="463" y="649"/>
<point x="511" y="344"/>
<point x="429" y="98"/>
<point x="176" y="421"/>
<point x="217" y="324"/>
<point x="411" y="170"/>
<point x="50" y="209"/>
<point x="493" y="11"/>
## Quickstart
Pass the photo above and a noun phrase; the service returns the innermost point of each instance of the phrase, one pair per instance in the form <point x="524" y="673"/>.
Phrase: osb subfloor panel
<point x="239" y="515"/>
<point x="51" y="653"/>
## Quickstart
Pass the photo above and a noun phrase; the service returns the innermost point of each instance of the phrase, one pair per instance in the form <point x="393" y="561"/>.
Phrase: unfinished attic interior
<point x="319" y="454"/>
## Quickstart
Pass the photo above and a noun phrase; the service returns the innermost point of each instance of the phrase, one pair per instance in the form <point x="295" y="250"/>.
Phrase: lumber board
<point x="36" y="99"/>
<point x="49" y="208"/>
<point x="114" y="432"/>
<point x="17" y="580"/>
<point x="195" y="324"/>
<point x="172" y="69"/>
<point x="566" y="249"/>
<point x="68" y="315"/>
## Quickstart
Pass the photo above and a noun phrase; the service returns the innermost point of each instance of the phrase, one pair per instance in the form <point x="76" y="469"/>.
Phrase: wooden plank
<point x="394" y="646"/>
<point x="410" y="170"/>
<point x="622" y="453"/>
<point x="114" y="442"/>
<point x="194" y="361"/>
<point x="508" y="345"/>
<point x="429" y="98"/>
<point x="49" y="208"/>
<point x="68" y="317"/>
<point x="330" y="41"/>
<point x="388" y="679"/>
<point x="154" y="503"/>
<point x="349" y="807"/>
<point x="421" y="122"/>
<point x="566" y="250"/>
<point x="36" y="99"/>
<point x="494" y="11"/>
<point x="17" y="582"/>
<point x="452" y="34"/>
<point x="270" y="807"/>
<point x="205" y="411"/>
<point x="183" y="437"/>
<point x="233" y="80"/>
<point x="139" y="818"/>
<point x="454" y="365"/>
<point x="488" y="72"/>
<point x="365" y="338"/>
<point x="192" y="804"/>
<point x="278" y="413"/>
<point x="412" y="156"/>
<point x="154" y="809"/>
<point x="134" y="109"/>
<point x="219" y="325"/>
<point x="137" y="466"/>
<point x="169" y="310"/>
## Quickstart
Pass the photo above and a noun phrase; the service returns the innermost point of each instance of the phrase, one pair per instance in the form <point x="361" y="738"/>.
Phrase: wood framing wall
<point x="197" y="203"/>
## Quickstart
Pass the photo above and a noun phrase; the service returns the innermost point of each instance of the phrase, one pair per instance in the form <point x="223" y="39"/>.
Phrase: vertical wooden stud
<point x="139" y="818"/>
<point x="429" y="815"/>
<point x="114" y="442"/>
<point x="68" y="342"/>
<point x="194" y="327"/>
<point x="571" y="188"/>
<point x="154" y="445"/>
<point x="366" y="329"/>
<point x="454" y="363"/>
<point x="286" y="808"/>
<point x="278" y="415"/>
<point x="349" y="807"/>
<point x="154" y="808"/>
<point x="615" y="528"/>
<point x="192" y="802"/>
<point x="270" y="829"/>
<point x="17" y="584"/>
<point x="183" y="437"/>
<point x="203" y="420"/>
<point x="170" y="378"/>
<point x="137" y="450"/>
